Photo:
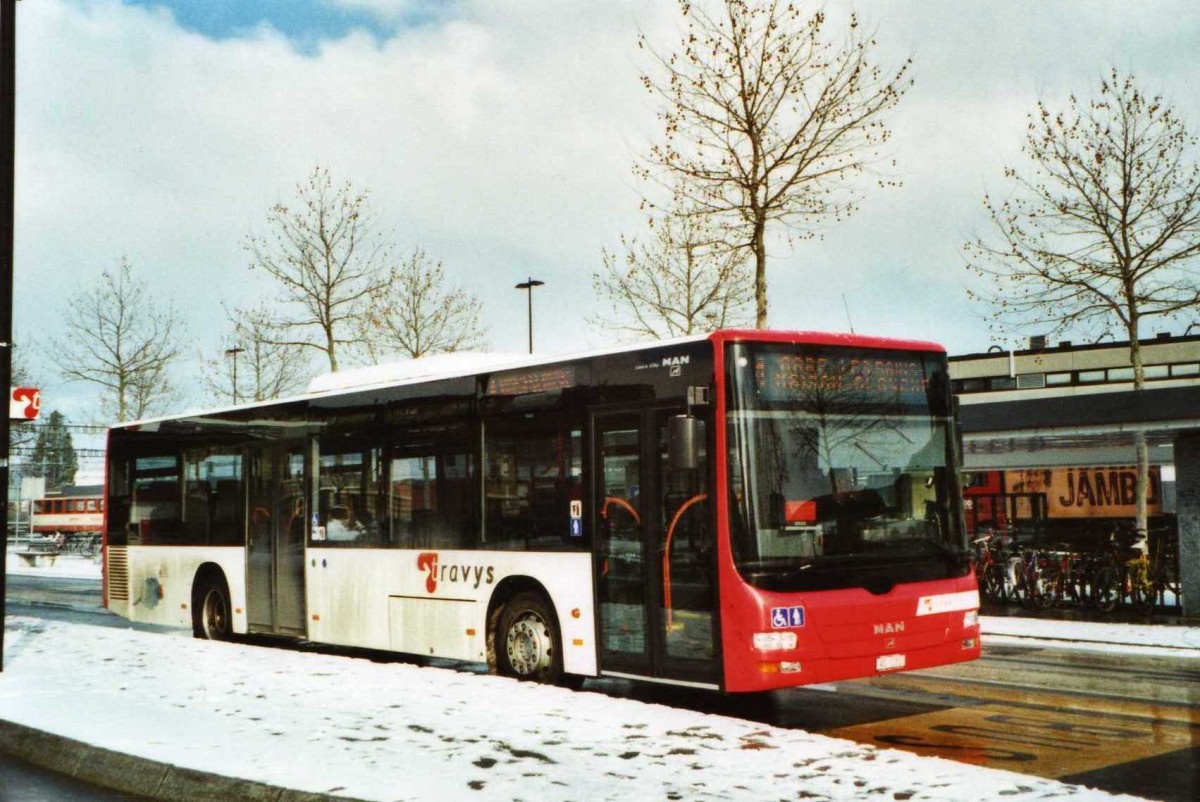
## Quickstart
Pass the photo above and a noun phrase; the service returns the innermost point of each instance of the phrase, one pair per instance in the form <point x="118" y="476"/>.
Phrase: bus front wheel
<point x="211" y="617"/>
<point x="528" y="645"/>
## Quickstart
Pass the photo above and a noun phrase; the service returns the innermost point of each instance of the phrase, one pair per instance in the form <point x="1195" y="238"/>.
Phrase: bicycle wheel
<point x="1045" y="590"/>
<point x="1106" y="589"/>
<point x="1014" y="583"/>
<point x="1028" y="589"/>
<point x="989" y="586"/>
<point x="1171" y="586"/>
<point x="1143" y="592"/>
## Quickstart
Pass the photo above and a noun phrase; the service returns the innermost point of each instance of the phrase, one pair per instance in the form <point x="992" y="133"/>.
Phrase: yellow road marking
<point x="1044" y="743"/>
<point x="1042" y="698"/>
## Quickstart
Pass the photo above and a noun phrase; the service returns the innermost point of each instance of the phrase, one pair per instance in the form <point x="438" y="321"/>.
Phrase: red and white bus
<point x="741" y="511"/>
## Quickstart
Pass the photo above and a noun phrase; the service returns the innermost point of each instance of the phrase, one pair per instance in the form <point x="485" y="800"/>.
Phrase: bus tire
<point x="211" y="618"/>
<point x="528" y="645"/>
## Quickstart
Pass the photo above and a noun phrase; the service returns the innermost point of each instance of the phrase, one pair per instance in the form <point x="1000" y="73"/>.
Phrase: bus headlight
<point x="970" y="619"/>
<point x="774" y="641"/>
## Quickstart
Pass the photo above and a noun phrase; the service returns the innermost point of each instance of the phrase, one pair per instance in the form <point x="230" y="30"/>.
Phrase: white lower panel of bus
<point x="156" y="583"/>
<point x="436" y="603"/>
<point x="428" y="603"/>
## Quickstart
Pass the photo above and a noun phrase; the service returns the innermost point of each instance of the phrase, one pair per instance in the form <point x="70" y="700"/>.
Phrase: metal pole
<point x="8" y="116"/>
<point x="234" y="351"/>
<point x="528" y="287"/>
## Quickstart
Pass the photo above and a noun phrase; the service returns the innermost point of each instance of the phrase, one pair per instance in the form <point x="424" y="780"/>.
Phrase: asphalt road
<point x="80" y="594"/>
<point x="21" y="782"/>
<point x="1125" y="723"/>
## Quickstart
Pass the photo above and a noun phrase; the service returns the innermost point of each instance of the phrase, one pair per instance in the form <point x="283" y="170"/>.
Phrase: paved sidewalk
<point x="1100" y="635"/>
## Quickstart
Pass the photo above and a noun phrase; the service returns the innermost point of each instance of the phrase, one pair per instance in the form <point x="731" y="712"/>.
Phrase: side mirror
<point x="683" y="443"/>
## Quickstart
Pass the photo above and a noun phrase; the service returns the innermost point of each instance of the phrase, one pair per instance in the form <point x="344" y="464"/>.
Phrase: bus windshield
<point x="842" y="467"/>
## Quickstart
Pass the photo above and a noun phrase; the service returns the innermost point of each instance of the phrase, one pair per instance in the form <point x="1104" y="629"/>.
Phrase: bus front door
<point x="655" y="575"/>
<point x="276" y="530"/>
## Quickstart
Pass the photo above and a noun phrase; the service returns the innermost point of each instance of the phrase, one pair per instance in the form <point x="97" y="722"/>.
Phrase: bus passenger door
<point x="275" y="537"/>
<point x="685" y="550"/>
<point x="621" y="563"/>
<point x="655" y="558"/>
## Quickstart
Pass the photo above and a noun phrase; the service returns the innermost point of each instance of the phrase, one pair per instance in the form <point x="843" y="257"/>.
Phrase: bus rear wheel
<point x="528" y="645"/>
<point x="211" y="619"/>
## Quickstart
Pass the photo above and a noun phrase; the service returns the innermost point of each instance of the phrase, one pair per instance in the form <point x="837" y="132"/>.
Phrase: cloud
<point x="500" y="136"/>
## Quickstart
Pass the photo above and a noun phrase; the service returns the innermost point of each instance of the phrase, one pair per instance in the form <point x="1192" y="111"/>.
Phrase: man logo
<point x="889" y="628"/>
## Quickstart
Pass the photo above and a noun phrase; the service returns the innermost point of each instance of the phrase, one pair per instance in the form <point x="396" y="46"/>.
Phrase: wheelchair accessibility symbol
<point x="787" y="617"/>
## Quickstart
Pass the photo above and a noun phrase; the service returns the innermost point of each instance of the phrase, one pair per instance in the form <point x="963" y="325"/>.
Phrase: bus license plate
<point x="889" y="662"/>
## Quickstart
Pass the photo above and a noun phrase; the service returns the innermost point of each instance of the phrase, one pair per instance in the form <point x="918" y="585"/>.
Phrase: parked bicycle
<point x="1011" y="567"/>
<point x="85" y="544"/>
<point x="1067" y="576"/>
<point x="1153" y="574"/>
<point x="989" y="569"/>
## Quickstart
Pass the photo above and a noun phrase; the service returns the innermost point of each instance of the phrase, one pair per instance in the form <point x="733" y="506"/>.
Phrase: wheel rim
<point x="529" y="645"/>
<point x="215" y="614"/>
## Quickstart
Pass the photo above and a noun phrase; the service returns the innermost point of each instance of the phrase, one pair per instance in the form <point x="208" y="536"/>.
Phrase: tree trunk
<point x="760" y="272"/>
<point x="331" y="349"/>
<point x="1141" y="448"/>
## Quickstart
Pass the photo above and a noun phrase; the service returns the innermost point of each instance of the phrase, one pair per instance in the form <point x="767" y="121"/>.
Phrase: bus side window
<point x="533" y="471"/>
<point x="351" y="501"/>
<point x="430" y="492"/>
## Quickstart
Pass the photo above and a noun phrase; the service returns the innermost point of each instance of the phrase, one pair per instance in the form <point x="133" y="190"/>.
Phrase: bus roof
<point x="463" y="364"/>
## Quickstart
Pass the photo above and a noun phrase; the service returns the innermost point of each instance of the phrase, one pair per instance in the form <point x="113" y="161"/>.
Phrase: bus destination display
<point x="538" y="380"/>
<point x="782" y="376"/>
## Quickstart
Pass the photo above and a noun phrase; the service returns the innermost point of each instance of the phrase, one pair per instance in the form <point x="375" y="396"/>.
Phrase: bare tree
<point x="766" y="118"/>
<point x="420" y="315"/>
<point x="248" y="367"/>
<point x="328" y="261"/>
<point x="1103" y="227"/>
<point x="683" y="280"/>
<point x="119" y="339"/>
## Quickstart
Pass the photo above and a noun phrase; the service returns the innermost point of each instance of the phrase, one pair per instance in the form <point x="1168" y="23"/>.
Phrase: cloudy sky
<point x="499" y="136"/>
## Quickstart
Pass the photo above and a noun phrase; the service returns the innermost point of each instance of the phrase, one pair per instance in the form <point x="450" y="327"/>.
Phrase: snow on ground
<point x="63" y="565"/>
<point x="348" y="726"/>
<point x="1094" y="635"/>
<point x="392" y="731"/>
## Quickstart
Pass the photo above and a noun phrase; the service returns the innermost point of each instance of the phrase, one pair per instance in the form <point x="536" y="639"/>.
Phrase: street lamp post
<point x="528" y="287"/>
<point x="234" y="352"/>
<point x="8" y="133"/>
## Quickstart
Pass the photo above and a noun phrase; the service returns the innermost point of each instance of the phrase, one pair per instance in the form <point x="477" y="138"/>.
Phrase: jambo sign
<point x="24" y="403"/>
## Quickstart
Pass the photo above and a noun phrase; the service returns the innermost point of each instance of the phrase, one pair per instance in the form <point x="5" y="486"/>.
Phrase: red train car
<point x="80" y="511"/>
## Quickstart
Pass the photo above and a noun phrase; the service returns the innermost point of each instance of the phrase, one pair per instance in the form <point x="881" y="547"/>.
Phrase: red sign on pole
<point x="24" y="403"/>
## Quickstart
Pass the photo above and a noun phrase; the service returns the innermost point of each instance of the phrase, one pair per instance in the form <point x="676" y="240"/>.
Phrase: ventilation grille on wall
<point x="1031" y="381"/>
<point x="118" y="573"/>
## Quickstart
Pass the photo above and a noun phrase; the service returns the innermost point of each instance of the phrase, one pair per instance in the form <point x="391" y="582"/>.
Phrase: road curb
<point x="140" y="776"/>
